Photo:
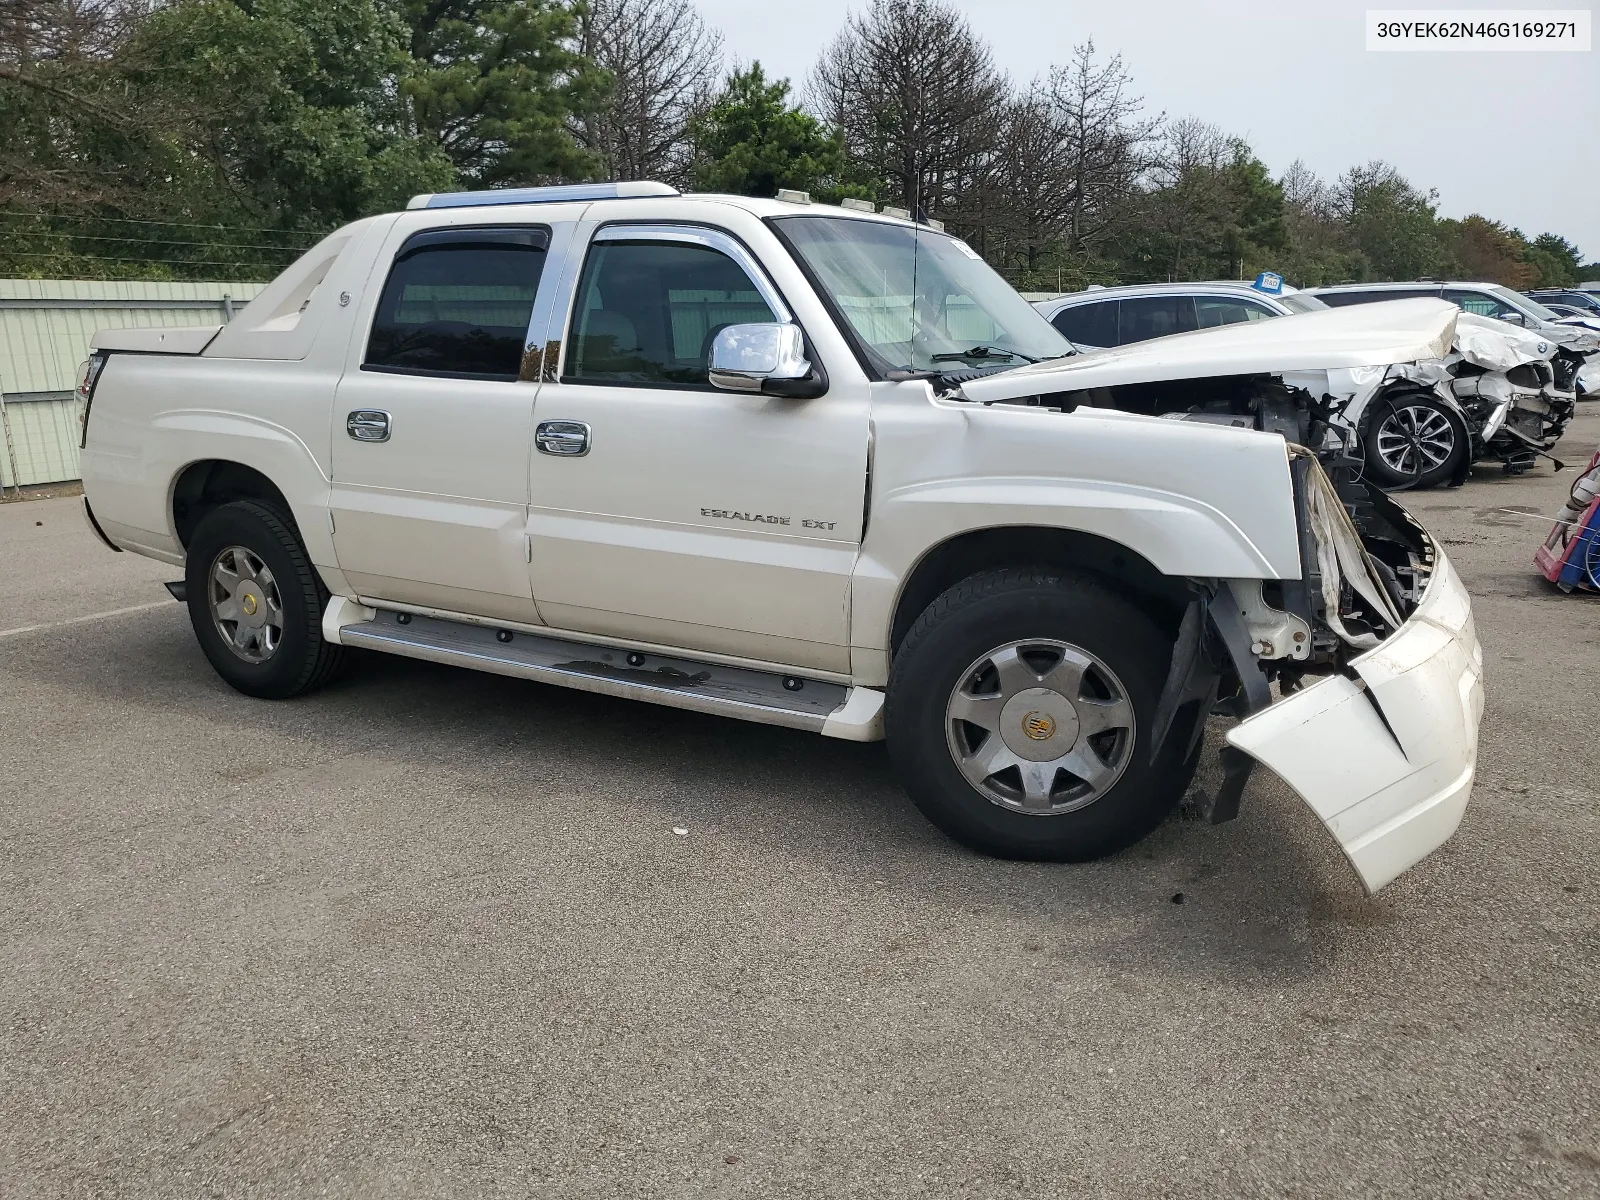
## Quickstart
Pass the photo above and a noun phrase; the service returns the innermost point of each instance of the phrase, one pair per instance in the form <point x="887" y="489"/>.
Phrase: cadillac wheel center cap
<point x="1039" y="724"/>
<point x="252" y="605"/>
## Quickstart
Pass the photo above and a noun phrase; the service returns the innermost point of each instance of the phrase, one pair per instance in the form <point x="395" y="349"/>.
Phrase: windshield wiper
<point x="981" y="352"/>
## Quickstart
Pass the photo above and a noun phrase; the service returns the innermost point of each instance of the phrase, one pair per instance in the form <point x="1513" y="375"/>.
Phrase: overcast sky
<point x="1513" y="136"/>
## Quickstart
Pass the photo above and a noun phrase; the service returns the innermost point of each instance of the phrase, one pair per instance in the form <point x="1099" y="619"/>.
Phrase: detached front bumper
<point x="1386" y="760"/>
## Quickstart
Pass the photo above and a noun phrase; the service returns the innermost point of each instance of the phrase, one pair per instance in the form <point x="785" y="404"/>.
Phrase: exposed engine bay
<point x="1366" y="560"/>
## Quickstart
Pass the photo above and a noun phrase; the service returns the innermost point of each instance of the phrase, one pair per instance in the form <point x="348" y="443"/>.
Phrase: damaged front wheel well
<point x="1161" y="597"/>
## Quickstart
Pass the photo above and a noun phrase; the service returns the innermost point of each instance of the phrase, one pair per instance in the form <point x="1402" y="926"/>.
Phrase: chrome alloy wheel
<point x="245" y="604"/>
<point x="1415" y="439"/>
<point x="1040" y="727"/>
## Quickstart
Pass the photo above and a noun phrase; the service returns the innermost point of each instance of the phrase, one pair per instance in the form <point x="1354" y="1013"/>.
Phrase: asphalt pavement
<point x="433" y="933"/>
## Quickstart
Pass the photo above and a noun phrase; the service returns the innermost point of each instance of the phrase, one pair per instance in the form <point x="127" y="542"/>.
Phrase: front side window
<point x="1520" y="303"/>
<point x="914" y="299"/>
<point x="1211" y="311"/>
<point x="647" y="312"/>
<point x="1089" y="324"/>
<point x="1480" y="304"/>
<point x="457" y="303"/>
<point x="1144" y="317"/>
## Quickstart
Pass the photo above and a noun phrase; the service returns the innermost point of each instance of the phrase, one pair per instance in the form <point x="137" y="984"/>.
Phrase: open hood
<point x="1360" y="335"/>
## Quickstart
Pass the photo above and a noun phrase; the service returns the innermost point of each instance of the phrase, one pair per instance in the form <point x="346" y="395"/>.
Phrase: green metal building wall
<point x="45" y="327"/>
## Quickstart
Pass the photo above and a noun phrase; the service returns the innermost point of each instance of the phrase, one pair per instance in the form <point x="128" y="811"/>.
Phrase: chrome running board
<point x="770" y="699"/>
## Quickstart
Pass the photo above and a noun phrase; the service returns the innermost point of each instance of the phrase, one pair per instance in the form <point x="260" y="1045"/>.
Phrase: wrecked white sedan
<point x="782" y="462"/>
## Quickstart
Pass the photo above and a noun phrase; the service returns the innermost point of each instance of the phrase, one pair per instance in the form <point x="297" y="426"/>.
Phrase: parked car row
<point x="1504" y="392"/>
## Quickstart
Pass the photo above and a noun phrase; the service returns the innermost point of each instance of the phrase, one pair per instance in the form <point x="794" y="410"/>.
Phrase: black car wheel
<point x="256" y="602"/>
<point x="1413" y="441"/>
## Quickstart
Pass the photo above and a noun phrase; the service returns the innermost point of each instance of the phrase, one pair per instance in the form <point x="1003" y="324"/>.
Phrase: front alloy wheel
<point x="1017" y="712"/>
<point x="1041" y="727"/>
<point x="1413" y="442"/>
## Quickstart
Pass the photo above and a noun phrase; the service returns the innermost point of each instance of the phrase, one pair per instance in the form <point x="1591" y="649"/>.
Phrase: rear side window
<point x="457" y="303"/>
<point x="1211" y="311"/>
<point x="1088" y="324"/>
<point x="647" y="312"/>
<point x="1146" y="317"/>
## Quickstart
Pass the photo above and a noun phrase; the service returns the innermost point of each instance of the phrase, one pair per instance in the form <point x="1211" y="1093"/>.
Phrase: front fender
<point x="1192" y="499"/>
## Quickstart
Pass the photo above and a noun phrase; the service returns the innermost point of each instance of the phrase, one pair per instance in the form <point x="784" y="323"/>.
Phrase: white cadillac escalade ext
<point x="815" y="467"/>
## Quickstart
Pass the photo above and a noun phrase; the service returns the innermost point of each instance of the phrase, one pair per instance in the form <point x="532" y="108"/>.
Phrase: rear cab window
<point x="457" y="303"/>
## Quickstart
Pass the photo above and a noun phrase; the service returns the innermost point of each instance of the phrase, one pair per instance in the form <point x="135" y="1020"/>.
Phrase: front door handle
<point x="368" y="425"/>
<point x="570" y="439"/>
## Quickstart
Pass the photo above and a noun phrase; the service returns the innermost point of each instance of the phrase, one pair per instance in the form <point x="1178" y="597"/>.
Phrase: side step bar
<point x="831" y="709"/>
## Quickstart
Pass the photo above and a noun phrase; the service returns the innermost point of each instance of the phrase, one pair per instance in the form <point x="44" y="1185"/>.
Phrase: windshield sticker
<point x="964" y="248"/>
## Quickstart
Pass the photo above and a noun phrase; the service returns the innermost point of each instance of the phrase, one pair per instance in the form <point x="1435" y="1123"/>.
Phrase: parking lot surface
<point x="433" y="933"/>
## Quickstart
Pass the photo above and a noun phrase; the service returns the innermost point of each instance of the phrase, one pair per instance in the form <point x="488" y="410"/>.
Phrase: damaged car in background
<point x="1500" y="393"/>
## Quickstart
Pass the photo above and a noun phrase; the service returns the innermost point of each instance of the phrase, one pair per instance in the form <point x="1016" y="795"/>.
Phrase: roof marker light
<point x="855" y="205"/>
<point x="543" y="195"/>
<point x="794" y="196"/>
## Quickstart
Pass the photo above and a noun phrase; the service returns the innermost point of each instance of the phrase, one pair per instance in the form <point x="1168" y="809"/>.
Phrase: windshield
<point x="919" y="300"/>
<point x="1520" y="302"/>
<point x="1299" y="302"/>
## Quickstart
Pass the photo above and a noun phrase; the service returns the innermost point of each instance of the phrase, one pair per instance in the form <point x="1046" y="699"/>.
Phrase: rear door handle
<point x="570" y="439"/>
<point x="368" y="425"/>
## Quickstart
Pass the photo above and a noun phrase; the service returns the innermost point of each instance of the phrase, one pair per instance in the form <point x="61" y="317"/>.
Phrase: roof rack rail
<point x="543" y="195"/>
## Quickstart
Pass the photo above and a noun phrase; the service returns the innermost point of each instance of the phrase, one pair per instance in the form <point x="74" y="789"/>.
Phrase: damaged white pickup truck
<point x="818" y="468"/>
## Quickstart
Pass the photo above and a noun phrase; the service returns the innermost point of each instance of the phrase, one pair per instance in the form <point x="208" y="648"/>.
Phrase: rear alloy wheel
<point x="256" y="602"/>
<point x="245" y="604"/>
<point x="1413" y="442"/>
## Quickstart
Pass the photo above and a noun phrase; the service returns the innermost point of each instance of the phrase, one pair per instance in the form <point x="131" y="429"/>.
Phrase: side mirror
<point x="1514" y="318"/>
<point x="769" y="357"/>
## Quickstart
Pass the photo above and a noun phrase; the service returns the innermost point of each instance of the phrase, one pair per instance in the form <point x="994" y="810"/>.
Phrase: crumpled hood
<point x="1581" y="339"/>
<point x="1499" y="345"/>
<point x="1360" y="335"/>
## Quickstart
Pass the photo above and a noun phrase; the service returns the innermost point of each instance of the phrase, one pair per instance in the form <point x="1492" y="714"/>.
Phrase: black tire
<point x="990" y="610"/>
<point x="301" y="659"/>
<point x="1405" y="434"/>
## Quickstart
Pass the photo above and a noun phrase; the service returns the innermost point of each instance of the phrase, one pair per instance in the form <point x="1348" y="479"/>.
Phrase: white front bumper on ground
<point x="1388" y="761"/>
